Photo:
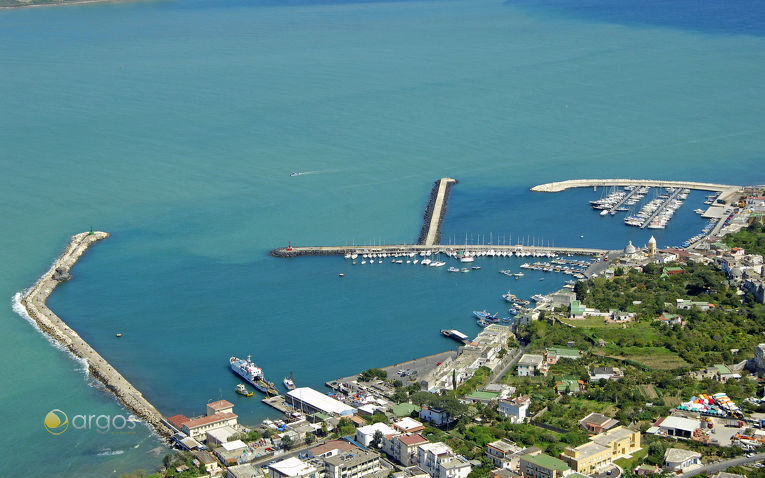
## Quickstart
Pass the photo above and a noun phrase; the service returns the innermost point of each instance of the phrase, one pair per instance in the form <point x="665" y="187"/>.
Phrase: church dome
<point x="652" y="240"/>
<point x="630" y="249"/>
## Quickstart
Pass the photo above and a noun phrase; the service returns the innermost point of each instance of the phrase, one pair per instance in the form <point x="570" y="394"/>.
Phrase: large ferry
<point x="252" y="374"/>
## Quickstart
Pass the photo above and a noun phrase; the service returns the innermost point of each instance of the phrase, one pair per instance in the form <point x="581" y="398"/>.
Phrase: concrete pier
<point x="34" y="302"/>
<point x="586" y="183"/>
<point x="434" y="212"/>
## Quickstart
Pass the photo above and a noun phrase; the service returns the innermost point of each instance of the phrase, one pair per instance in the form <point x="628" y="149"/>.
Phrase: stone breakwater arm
<point x="584" y="183"/>
<point x="34" y="302"/>
<point x="434" y="212"/>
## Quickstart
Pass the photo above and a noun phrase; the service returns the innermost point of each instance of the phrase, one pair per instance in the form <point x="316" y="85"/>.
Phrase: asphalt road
<point x="724" y="465"/>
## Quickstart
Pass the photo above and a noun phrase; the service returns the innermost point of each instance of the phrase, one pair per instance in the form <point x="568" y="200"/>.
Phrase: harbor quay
<point x="34" y="301"/>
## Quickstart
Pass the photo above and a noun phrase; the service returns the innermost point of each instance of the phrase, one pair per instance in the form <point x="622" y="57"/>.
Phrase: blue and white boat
<point x="252" y="374"/>
<point x="513" y="311"/>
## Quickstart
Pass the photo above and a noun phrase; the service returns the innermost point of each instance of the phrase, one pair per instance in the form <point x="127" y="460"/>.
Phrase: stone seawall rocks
<point x="34" y="301"/>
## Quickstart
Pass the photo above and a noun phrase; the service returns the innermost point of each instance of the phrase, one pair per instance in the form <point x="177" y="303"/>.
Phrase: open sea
<point x="174" y="126"/>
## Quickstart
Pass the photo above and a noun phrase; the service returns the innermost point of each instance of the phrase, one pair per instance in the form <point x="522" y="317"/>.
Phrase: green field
<point x="657" y="358"/>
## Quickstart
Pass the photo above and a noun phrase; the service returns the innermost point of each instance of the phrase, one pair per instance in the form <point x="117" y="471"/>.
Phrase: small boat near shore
<point x="242" y="390"/>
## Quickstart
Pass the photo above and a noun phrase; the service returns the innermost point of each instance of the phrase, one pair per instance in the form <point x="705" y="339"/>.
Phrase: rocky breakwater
<point x="34" y="302"/>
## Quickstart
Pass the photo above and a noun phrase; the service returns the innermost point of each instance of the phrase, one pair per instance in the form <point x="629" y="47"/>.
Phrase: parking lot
<point x="720" y="434"/>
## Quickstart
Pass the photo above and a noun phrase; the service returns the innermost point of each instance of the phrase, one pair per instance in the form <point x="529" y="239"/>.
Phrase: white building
<point x="676" y="459"/>
<point x="439" y="461"/>
<point x="408" y="425"/>
<point x="292" y="468"/>
<point x="352" y="464"/>
<point x="530" y="364"/>
<point x="365" y="435"/>
<point x="675" y="427"/>
<point x="221" y="435"/>
<point x="514" y="408"/>
<point x="434" y="415"/>
<point x="309" y="400"/>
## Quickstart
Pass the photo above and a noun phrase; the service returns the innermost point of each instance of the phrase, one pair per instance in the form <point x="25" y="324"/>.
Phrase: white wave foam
<point x="21" y="311"/>
<point x="83" y="363"/>
<point x="109" y="452"/>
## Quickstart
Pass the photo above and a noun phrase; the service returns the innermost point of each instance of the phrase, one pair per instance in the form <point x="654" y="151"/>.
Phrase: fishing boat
<point x="252" y="374"/>
<point x="509" y="297"/>
<point x="289" y="382"/>
<point x="483" y="323"/>
<point x="513" y="311"/>
<point x="464" y="269"/>
<point x="453" y="269"/>
<point x="241" y="390"/>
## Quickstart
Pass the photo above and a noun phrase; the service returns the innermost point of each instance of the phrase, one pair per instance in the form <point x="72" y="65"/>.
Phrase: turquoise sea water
<point x="174" y="126"/>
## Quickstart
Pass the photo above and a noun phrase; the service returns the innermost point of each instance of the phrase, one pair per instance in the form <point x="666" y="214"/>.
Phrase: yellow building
<point x="602" y="450"/>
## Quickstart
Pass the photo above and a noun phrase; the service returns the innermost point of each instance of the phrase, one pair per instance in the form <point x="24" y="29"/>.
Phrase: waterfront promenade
<point x="34" y="301"/>
<point x="654" y="183"/>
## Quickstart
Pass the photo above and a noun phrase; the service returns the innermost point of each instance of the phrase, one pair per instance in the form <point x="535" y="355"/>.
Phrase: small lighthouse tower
<point x="651" y="246"/>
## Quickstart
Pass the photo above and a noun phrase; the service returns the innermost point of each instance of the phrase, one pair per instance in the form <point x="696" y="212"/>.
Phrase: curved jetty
<point x="585" y="183"/>
<point x="34" y="302"/>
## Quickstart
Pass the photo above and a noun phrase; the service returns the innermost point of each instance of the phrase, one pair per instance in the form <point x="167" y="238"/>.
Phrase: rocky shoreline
<point x="34" y="301"/>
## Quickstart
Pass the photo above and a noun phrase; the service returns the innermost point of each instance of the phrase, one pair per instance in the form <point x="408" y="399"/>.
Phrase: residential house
<point x="435" y="415"/>
<point x="724" y="373"/>
<point x="365" y="434"/>
<point x="207" y="460"/>
<point x="454" y="467"/>
<point x="563" y="353"/>
<point x="352" y="464"/>
<point x="605" y="373"/>
<point x="677" y="459"/>
<point x="568" y="386"/>
<point x="332" y="447"/>
<point x="403" y="448"/>
<point x="542" y="466"/>
<point x="602" y="450"/>
<point x="439" y="461"/>
<point x="233" y="452"/>
<point x="530" y="365"/>
<point x="684" y="304"/>
<point x="501" y="452"/>
<point x="480" y="396"/>
<point x="408" y="425"/>
<point x="246" y="470"/>
<point x="597" y="423"/>
<point x="292" y="468"/>
<point x="515" y="409"/>
<point x="671" y="319"/>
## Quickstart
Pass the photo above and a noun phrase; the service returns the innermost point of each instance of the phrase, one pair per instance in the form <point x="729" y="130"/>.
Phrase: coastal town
<point x="650" y="363"/>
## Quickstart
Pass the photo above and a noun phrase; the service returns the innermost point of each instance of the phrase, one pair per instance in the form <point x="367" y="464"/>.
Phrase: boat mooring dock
<point x="430" y="236"/>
